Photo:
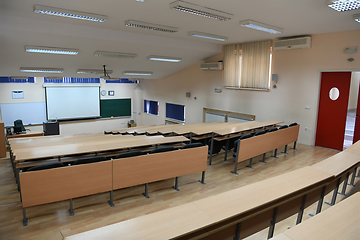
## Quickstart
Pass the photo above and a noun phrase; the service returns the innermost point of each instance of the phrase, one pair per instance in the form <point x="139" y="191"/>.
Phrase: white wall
<point x="34" y="92"/>
<point x="354" y="90"/>
<point x="298" y="86"/>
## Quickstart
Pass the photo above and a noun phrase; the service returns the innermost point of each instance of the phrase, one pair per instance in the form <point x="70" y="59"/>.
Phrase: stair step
<point x="8" y="188"/>
<point x="9" y="198"/>
<point x="7" y="181"/>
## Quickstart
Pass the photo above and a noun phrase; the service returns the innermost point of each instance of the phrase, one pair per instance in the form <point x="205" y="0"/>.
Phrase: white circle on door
<point x="334" y="93"/>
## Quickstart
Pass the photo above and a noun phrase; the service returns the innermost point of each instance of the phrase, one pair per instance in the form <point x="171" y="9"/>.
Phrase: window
<point x="151" y="107"/>
<point x="71" y="80"/>
<point x="248" y="66"/>
<point x="175" y="111"/>
<point x="17" y="80"/>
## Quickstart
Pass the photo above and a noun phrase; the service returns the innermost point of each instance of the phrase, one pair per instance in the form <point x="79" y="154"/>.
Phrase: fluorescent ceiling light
<point x="357" y="17"/>
<point x="207" y="36"/>
<point x="115" y="54"/>
<point x="138" y="73"/>
<point x="93" y="71"/>
<point x="343" y="5"/>
<point x="51" y="50"/>
<point x="150" y="26"/>
<point x="260" y="26"/>
<point x="163" y="59"/>
<point x="69" y="13"/>
<point x="140" y="0"/>
<point x="200" y="10"/>
<point x="19" y="77"/>
<point x="39" y="70"/>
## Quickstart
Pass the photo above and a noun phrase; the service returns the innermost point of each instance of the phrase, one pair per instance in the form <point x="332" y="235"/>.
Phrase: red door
<point x="357" y="125"/>
<point x="331" y="121"/>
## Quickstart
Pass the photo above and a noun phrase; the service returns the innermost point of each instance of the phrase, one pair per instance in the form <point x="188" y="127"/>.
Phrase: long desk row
<point x="52" y="185"/>
<point x="242" y="212"/>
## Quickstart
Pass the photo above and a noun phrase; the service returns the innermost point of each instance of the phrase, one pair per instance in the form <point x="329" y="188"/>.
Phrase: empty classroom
<point x="153" y="119"/>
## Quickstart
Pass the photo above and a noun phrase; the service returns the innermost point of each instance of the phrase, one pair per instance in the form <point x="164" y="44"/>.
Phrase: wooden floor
<point x="52" y="221"/>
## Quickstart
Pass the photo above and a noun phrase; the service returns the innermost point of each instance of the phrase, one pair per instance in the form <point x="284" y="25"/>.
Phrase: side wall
<point x="298" y="85"/>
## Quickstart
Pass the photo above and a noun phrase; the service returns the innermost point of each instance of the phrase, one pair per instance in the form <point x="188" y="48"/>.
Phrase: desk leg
<point x="202" y="178"/>
<point x="111" y="201"/>
<point x="191" y="135"/>
<point x="333" y="200"/>
<point x="211" y="148"/>
<point x="319" y="206"/>
<point x="176" y="186"/>
<point x="25" y="220"/>
<point x="358" y="176"/>
<point x="345" y="184"/>
<point x="273" y="222"/>
<point x="301" y="212"/>
<point x="275" y="153"/>
<point x="71" y="210"/>
<point x="238" y="228"/>
<point x="236" y="159"/>
<point x="263" y="160"/>
<point x="285" y="149"/>
<point x="250" y="165"/>
<point x="353" y="178"/>
<point x="294" y="146"/>
<point x="226" y="149"/>
<point x="145" y="194"/>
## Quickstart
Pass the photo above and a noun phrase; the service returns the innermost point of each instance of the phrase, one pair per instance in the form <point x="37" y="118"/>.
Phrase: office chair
<point x="89" y="160"/>
<point x="283" y="127"/>
<point x="272" y="130"/>
<point x="162" y="149"/>
<point x="293" y="124"/>
<point x="249" y="135"/>
<point x="19" y="123"/>
<point x="260" y="133"/>
<point x="129" y="154"/>
<point x="191" y="145"/>
<point x="45" y="166"/>
<point x="217" y="146"/>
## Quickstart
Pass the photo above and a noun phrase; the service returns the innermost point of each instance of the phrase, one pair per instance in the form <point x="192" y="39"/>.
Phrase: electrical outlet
<point x="307" y="107"/>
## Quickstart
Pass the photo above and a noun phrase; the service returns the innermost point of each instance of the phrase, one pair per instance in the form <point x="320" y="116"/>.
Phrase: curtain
<point x="231" y="66"/>
<point x="255" y="65"/>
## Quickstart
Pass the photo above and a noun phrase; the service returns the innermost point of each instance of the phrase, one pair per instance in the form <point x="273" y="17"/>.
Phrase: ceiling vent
<point x="212" y="66"/>
<point x="293" y="43"/>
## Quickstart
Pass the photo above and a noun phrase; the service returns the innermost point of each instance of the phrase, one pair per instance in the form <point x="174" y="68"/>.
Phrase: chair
<point x="272" y="130"/>
<point x="283" y="127"/>
<point x="260" y="133"/>
<point x="191" y="145"/>
<point x="45" y="166"/>
<point x="89" y="160"/>
<point x="216" y="148"/>
<point x="293" y="124"/>
<point x="235" y="152"/>
<point x="162" y="149"/>
<point x="129" y="154"/>
<point x="19" y="123"/>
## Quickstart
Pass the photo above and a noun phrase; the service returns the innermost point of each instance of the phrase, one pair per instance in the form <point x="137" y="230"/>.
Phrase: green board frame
<point x="115" y="108"/>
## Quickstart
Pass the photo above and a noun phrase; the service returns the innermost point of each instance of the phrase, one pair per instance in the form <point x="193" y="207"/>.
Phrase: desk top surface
<point x="338" y="222"/>
<point x="355" y="148"/>
<point x="244" y="127"/>
<point x="186" y="218"/>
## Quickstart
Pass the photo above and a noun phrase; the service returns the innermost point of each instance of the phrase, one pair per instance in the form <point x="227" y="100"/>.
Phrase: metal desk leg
<point x="273" y="222"/>
<point x="285" y="149"/>
<point x="275" y="153"/>
<point x="333" y="200"/>
<point x="176" y="186"/>
<point x="238" y="228"/>
<point x="71" y="210"/>
<point x="294" y="146"/>
<point x="146" y="190"/>
<point x="202" y="178"/>
<point x="236" y="159"/>
<point x="301" y="212"/>
<point x="191" y="135"/>
<point x="250" y="165"/>
<point x="358" y="176"/>
<point x="111" y="202"/>
<point x="25" y="220"/>
<point x="263" y="160"/>
<point x="226" y="149"/>
<point x="353" y="178"/>
<point x="321" y="200"/>
<point x="211" y="148"/>
<point x="345" y="184"/>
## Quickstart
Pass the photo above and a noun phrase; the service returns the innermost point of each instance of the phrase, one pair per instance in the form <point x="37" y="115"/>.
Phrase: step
<point x="7" y="181"/>
<point x="8" y="188"/>
<point x="9" y="198"/>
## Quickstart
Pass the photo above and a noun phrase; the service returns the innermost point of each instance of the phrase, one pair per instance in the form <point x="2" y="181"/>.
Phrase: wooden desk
<point x="2" y="140"/>
<point x="355" y="148"/>
<point x="341" y="221"/>
<point x="210" y="216"/>
<point x="26" y="134"/>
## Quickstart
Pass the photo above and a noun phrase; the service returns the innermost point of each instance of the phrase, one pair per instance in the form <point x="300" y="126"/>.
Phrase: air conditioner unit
<point x="293" y="43"/>
<point x="212" y="66"/>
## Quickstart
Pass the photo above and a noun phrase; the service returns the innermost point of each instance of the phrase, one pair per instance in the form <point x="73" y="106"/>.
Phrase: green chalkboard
<point x="115" y="107"/>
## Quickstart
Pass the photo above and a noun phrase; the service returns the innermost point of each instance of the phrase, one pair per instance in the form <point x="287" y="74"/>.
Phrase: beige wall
<point x="36" y="93"/>
<point x="298" y="85"/>
<point x="354" y="90"/>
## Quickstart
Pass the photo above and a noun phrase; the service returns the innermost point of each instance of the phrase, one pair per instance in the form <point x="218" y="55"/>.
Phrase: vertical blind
<point x="231" y="66"/>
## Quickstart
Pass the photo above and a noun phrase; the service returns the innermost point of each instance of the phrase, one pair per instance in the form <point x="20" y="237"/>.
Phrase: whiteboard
<point x="29" y="113"/>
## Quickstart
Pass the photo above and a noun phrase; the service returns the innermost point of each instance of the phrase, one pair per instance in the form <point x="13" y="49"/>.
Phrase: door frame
<point x="313" y="137"/>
